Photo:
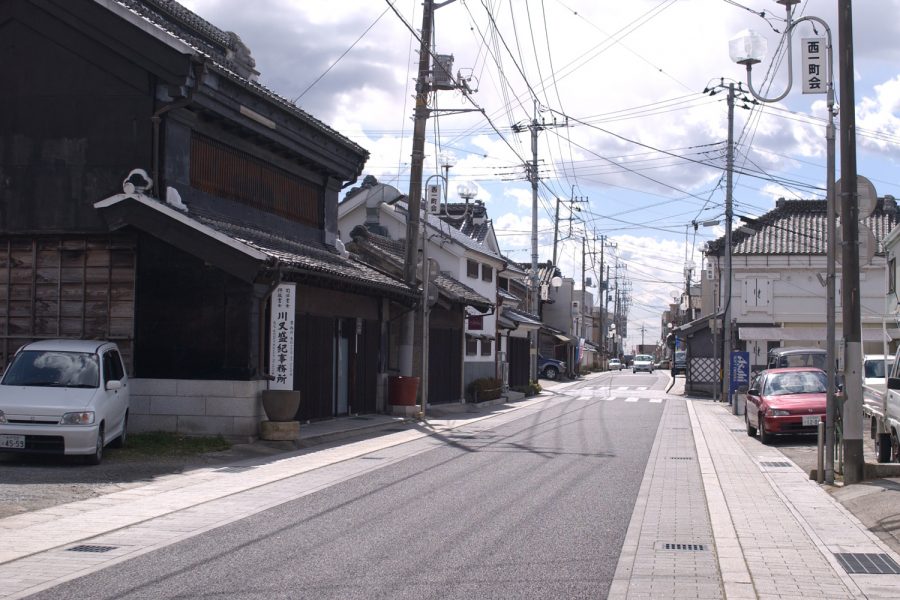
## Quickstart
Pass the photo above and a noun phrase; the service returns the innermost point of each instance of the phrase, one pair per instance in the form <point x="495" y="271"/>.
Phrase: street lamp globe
<point x="747" y="48"/>
<point x="467" y="190"/>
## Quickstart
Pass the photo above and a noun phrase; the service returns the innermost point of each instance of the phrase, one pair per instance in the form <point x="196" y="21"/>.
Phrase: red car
<point x="789" y="400"/>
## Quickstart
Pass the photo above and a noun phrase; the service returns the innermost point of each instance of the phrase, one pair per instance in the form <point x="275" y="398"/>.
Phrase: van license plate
<point x="12" y="441"/>
<point x="811" y="420"/>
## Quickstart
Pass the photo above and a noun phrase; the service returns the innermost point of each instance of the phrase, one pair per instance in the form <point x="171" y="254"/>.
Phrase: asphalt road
<point x="537" y="507"/>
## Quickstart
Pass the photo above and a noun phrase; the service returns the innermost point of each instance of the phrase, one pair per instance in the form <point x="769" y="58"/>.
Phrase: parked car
<point x="874" y="368"/>
<point x="67" y="397"/>
<point x="796" y="357"/>
<point x="550" y="368"/>
<point x="615" y="364"/>
<point x="679" y="364"/>
<point x="642" y="362"/>
<point x="787" y="400"/>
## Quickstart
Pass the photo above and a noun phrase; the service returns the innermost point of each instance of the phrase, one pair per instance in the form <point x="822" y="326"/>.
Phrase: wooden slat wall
<point x="54" y="287"/>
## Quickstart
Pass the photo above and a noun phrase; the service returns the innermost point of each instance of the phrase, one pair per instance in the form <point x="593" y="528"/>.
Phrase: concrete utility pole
<point x="555" y="232"/>
<point x="729" y="169"/>
<point x="852" y="413"/>
<point x="407" y="341"/>
<point x="535" y="295"/>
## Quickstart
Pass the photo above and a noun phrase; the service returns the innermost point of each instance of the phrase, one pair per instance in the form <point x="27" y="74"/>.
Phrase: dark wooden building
<point x="152" y="192"/>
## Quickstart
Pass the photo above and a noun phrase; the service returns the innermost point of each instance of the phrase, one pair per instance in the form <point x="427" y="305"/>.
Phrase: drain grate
<point x="682" y="457"/>
<point x="685" y="547"/>
<point x="739" y="429"/>
<point x="870" y="564"/>
<point x="774" y="463"/>
<point x="87" y="548"/>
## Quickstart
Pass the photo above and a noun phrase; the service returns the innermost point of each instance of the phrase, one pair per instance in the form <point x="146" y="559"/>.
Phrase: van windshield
<point x="803" y="360"/>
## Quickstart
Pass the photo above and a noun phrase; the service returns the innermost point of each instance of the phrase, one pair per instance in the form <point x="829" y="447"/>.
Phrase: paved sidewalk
<point x="774" y="533"/>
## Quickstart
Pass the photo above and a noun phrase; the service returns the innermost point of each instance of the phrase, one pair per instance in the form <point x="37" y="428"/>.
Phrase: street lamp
<point x="748" y="49"/>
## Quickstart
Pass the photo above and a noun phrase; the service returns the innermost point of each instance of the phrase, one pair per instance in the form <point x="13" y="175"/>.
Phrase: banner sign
<point x="740" y="370"/>
<point x="281" y="349"/>
<point x="813" y="65"/>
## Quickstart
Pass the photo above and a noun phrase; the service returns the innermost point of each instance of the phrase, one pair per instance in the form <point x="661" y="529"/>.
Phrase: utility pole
<point x="534" y="296"/>
<point x="583" y="295"/>
<point x="729" y="168"/>
<point x="408" y="328"/>
<point x="423" y="87"/>
<point x="852" y="413"/>
<point x="555" y="232"/>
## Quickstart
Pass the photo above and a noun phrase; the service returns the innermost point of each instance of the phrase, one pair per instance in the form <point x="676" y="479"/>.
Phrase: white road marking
<point x="632" y="399"/>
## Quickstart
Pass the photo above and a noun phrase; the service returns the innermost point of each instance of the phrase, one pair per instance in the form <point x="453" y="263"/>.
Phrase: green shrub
<point x="532" y="389"/>
<point x="486" y="388"/>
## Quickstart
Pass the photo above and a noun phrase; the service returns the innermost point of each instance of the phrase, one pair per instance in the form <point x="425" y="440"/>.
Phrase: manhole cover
<point x="870" y="564"/>
<point x="87" y="548"/>
<point x="774" y="463"/>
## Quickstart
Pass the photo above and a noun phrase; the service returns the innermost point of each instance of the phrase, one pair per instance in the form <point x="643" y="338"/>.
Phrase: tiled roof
<point x="470" y="219"/>
<point x="223" y="49"/>
<point x="520" y="316"/>
<point x="393" y="251"/>
<point x="799" y="227"/>
<point x="300" y="258"/>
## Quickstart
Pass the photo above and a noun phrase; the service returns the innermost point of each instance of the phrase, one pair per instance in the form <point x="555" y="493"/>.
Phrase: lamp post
<point x="749" y="49"/>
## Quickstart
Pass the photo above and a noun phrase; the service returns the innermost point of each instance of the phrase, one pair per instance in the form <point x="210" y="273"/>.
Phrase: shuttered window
<point x="223" y="171"/>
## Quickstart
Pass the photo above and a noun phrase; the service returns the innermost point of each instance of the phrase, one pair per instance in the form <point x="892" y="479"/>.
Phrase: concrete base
<point x="403" y="410"/>
<point x="279" y="431"/>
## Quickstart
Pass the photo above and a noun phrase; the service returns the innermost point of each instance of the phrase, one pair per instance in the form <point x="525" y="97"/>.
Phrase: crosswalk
<point x="627" y="394"/>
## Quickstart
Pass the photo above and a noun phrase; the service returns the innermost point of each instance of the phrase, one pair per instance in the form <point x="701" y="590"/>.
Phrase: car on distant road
<point x="615" y="364"/>
<point x="66" y="397"/>
<point x="787" y="400"/>
<point x="642" y="362"/>
<point x="550" y="368"/>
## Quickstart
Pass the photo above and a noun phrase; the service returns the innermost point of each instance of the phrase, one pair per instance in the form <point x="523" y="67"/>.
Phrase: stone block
<point x="205" y="387"/>
<point x="153" y="387"/>
<point x="147" y="423"/>
<point x="197" y="425"/>
<point x="232" y="407"/>
<point x="173" y="405"/>
<point x="279" y="430"/>
<point x="139" y="405"/>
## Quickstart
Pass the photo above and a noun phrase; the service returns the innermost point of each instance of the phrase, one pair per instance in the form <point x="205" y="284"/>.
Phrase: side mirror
<point x="113" y="385"/>
<point x="753" y="391"/>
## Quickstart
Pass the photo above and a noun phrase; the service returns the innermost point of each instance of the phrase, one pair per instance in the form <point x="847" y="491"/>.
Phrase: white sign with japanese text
<point x="281" y="348"/>
<point x="813" y="65"/>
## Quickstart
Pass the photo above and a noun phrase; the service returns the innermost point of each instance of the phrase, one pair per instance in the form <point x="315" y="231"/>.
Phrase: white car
<point x="642" y="362"/>
<point x="64" y="397"/>
<point x="873" y="368"/>
<point x="615" y="364"/>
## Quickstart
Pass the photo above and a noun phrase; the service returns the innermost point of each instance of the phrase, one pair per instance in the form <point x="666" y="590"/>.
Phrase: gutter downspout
<point x="197" y="68"/>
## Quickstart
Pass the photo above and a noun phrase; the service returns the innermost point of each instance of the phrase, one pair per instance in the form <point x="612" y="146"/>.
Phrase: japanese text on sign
<point x="813" y="65"/>
<point x="740" y="369"/>
<point x="281" y="349"/>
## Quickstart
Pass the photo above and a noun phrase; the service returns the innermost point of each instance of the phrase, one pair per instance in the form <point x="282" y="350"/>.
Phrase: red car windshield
<point x="796" y="382"/>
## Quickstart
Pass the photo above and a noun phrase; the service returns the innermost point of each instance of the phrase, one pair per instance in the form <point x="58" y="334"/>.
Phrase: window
<point x="471" y="346"/>
<point x="487" y="273"/>
<point x="112" y="366"/>
<point x="892" y="275"/>
<point x="472" y="269"/>
<point x="486" y="347"/>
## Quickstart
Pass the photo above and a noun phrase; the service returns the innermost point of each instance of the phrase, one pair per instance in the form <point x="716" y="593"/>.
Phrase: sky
<point x="631" y="146"/>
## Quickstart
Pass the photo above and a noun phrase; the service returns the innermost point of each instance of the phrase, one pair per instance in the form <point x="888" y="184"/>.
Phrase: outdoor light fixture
<point x="467" y="190"/>
<point x="556" y="282"/>
<point x="748" y="49"/>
